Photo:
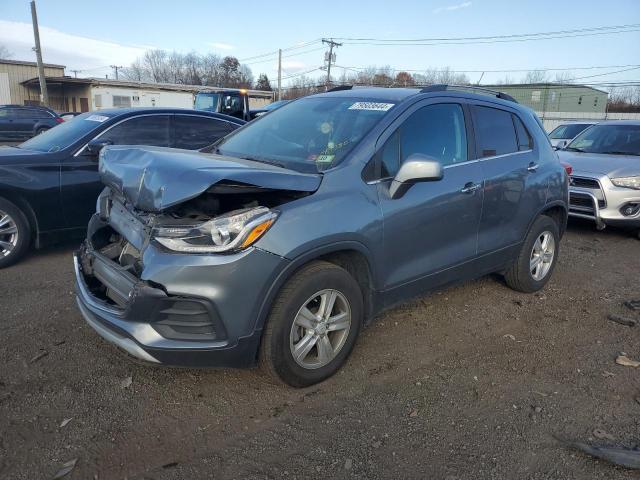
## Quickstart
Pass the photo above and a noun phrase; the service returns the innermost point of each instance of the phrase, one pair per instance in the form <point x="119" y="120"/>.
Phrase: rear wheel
<point x="15" y="234"/>
<point x="313" y="325"/>
<point x="41" y="130"/>
<point x="537" y="259"/>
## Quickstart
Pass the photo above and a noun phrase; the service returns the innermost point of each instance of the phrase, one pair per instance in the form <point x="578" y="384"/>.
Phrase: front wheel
<point x="313" y="325"/>
<point x="15" y="234"/>
<point x="532" y="269"/>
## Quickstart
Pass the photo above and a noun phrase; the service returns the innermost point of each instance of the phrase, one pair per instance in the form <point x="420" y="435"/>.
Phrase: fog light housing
<point x="630" y="209"/>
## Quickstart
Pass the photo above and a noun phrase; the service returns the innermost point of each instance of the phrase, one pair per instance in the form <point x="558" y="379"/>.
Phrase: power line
<point x="287" y="56"/>
<point x="519" y="70"/>
<point x="493" y="37"/>
<point x="275" y="52"/>
<point x="490" y="41"/>
<point x="603" y="74"/>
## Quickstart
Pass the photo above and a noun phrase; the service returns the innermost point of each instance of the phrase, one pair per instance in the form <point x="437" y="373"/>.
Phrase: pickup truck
<point x="233" y="102"/>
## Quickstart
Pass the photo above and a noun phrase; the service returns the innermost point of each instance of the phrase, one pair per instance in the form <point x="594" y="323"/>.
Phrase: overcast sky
<point x="91" y="35"/>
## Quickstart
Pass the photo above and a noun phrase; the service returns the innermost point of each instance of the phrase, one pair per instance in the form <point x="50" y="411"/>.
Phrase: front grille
<point x="591" y="184"/>
<point x="582" y="201"/>
<point x="583" y="182"/>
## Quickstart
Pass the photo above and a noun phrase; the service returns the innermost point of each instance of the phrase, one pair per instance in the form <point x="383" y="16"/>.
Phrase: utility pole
<point x="36" y="35"/>
<point x="75" y="73"/>
<point x="330" y="58"/>
<point x="279" y="74"/>
<point x="116" y="67"/>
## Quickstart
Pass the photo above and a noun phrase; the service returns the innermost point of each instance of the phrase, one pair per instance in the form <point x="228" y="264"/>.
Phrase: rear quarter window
<point x="495" y="131"/>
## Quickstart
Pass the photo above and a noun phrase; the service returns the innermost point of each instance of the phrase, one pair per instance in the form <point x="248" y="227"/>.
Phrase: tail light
<point x="568" y="168"/>
<point x="59" y="120"/>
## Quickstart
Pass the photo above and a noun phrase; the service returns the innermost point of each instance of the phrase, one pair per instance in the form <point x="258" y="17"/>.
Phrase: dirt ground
<point x="468" y="383"/>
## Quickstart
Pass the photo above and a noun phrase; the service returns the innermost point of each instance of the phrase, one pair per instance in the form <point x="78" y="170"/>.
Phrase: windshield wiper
<point x="573" y="149"/>
<point x="619" y="152"/>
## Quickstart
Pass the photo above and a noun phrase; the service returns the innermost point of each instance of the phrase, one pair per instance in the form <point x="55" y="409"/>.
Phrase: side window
<point x="193" y="132"/>
<point x="435" y="130"/>
<point x="495" y="131"/>
<point x="41" y="114"/>
<point x="232" y="105"/>
<point x="147" y="130"/>
<point x="525" y="142"/>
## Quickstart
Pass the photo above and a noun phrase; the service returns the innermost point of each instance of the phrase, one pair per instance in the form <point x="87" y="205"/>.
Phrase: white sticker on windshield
<point x="381" y="107"/>
<point x="97" y="118"/>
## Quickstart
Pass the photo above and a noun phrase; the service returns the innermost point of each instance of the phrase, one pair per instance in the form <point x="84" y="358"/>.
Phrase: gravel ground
<point x="471" y="382"/>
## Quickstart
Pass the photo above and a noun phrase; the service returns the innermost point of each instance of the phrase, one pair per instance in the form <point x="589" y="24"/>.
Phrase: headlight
<point x="235" y="230"/>
<point x="627" y="182"/>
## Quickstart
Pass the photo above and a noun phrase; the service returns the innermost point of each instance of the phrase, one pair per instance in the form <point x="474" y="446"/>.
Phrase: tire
<point x="521" y="276"/>
<point x="15" y="233"/>
<point x="283" y="333"/>
<point x="41" y="130"/>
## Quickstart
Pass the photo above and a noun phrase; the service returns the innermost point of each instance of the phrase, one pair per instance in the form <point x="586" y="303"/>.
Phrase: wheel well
<point x="24" y="206"/>
<point x="559" y="215"/>
<point x="357" y="265"/>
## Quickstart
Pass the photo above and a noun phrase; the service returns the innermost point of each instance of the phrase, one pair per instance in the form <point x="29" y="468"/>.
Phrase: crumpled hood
<point x="611" y="165"/>
<point x="154" y="178"/>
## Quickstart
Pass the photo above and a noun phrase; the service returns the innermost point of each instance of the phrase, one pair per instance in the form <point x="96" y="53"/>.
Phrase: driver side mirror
<point x="417" y="168"/>
<point x="561" y="144"/>
<point x="97" y="144"/>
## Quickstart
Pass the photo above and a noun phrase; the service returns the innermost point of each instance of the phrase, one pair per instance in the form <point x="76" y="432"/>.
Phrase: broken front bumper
<point x="187" y="310"/>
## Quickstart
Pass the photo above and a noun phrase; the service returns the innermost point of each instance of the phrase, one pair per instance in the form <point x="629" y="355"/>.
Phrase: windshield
<point x="207" y="101"/>
<point x="612" y="139"/>
<point x="65" y="134"/>
<point x="311" y="134"/>
<point x="568" y="131"/>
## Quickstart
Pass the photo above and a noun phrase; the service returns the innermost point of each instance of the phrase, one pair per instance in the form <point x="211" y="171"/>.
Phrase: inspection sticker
<point x="381" y="107"/>
<point x="97" y="118"/>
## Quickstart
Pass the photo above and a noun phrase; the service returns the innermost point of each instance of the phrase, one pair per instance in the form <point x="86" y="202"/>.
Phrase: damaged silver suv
<point x="280" y="244"/>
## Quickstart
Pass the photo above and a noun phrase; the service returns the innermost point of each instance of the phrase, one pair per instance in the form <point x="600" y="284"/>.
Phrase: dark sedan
<point x="19" y="122"/>
<point x="49" y="184"/>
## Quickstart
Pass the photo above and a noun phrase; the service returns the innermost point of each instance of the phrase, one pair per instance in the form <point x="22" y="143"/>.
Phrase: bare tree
<point x="564" y="77"/>
<point x="535" y="76"/>
<point x="5" y="53"/>
<point x="136" y="71"/>
<point x="161" y="66"/>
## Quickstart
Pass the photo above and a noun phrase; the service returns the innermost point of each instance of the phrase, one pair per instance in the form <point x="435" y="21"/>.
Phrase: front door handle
<point x="532" y="167"/>
<point x="470" y="187"/>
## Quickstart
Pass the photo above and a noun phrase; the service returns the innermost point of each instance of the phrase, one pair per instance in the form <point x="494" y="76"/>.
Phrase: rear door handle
<point x="532" y="167"/>
<point x="470" y="187"/>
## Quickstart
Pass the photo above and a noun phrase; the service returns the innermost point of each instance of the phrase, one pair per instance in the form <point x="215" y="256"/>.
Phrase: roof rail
<point x="340" y="87"/>
<point x="445" y="87"/>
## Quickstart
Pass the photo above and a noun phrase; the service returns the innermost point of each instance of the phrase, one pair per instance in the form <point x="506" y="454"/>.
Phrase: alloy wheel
<point x="320" y="329"/>
<point x="8" y="234"/>
<point x="542" y="255"/>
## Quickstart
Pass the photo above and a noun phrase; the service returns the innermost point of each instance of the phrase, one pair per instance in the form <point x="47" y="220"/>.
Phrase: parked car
<point x="303" y="226"/>
<point x="49" y="184"/>
<point x="564" y="133"/>
<point x="22" y="122"/>
<point x="605" y="183"/>
<point x="258" y="112"/>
